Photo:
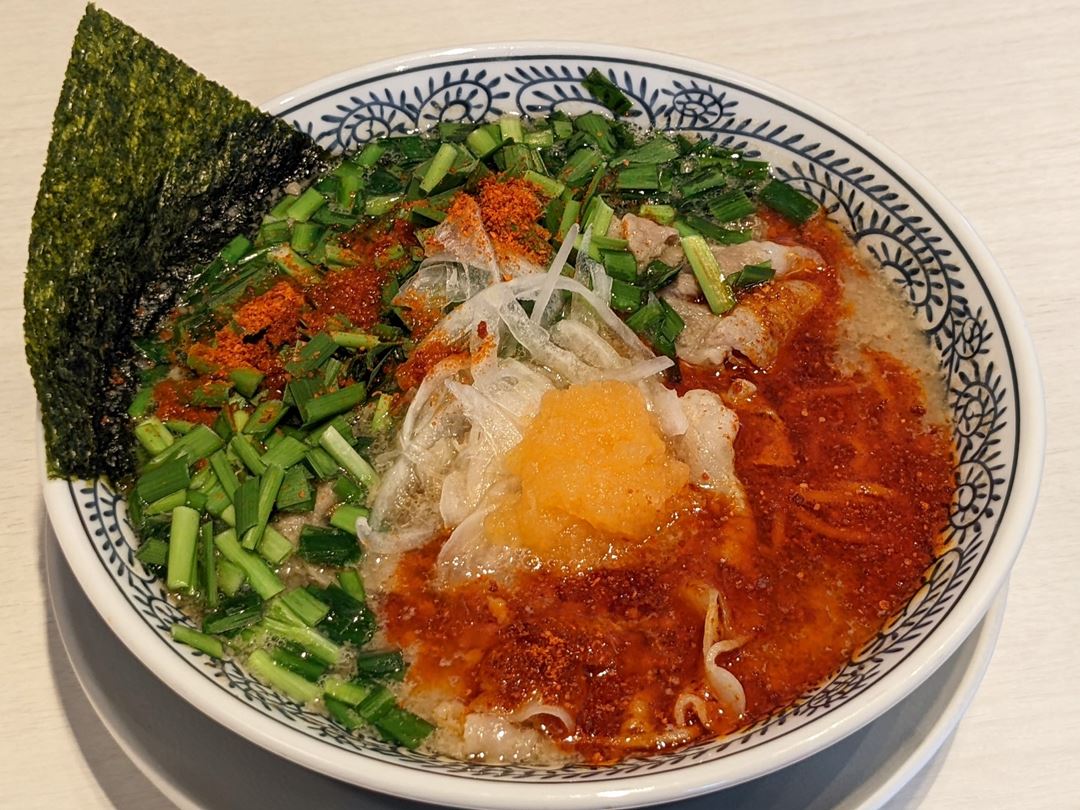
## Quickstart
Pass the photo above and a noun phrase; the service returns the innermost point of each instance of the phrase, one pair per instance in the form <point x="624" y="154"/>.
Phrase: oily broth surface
<point x="846" y="458"/>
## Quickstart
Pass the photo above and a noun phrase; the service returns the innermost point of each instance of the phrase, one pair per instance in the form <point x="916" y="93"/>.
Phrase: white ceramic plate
<point x="923" y="245"/>
<point x="862" y="772"/>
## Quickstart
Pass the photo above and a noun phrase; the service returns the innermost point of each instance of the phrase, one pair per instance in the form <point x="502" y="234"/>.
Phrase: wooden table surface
<point x="982" y="97"/>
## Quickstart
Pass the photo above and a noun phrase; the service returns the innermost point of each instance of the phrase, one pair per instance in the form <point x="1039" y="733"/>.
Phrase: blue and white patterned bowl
<point x="922" y="244"/>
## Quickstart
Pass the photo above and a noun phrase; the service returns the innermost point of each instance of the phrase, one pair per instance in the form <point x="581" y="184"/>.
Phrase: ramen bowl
<point x="905" y="227"/>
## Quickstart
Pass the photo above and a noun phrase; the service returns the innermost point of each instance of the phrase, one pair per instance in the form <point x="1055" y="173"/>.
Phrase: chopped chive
<point x="376" y="703"/>
<point x="569" y="217"/>
<point x="244" y="449"/>
<point x="660" y="214"/>
<point x="731" y="206"/>
<point x="319" y="408"/>
<point x="211" y="395"/>
<point x="235" y="250"/>
<point x="305" y="205"/>
<point x="788" y="202"/>
<point x="438" y="168"/>
<point x="702" y="181"/>
<point x="265" y="417"/>
<point x="348" y="491"/>
<point x="310" y="639"/>
<point x="246" y="381"/>
<point x="230" y="577"/>
<point x="310" y="609"/>
<point x="658" y="275"/>
<point x="370" y="154"/>
<point x="312" y="355"/>
<point x="180" y="426"/>
<point x="625" y="297"/>
<point x="321" y="463"/>
<point x="380" y="419"/>
<point x="269" y="484"/>
<point x="141" y="402"/>
<point x="296" y="495"/>
<point x="581" y="166"/>
<point x="196" y="500"/>
<point x="153" y="551"/>
<point x="540" y="139"/>
<point x="380" y="664"/>
<point x="263" y="581"/>
<point x="195" y="445"/>
<point x="206" y="540"/>
<point x="246" y="502"/>
<point x="347" y="692"/>
<point x="333" y="443"/>
<point x="510" y="128"/>
<point x="274" y="547"/>
<point x="157" y="482"/>
<point x="354" y="340"/>
<point x="344" y="517"/>
<point x="182" y="540"/>
<point x="708" y="274"/>
<point x="548" y="185"/>
<point x="306" y="667"/>
<point x="658" y="150"/>
<point x="166" y="504"/>
<point x="710" y="230"/>
<point x="297" y="687"/>
<point x="598" y="216"/>
<point x="605" y="91"/>
<point x="272" y="232"/>
<point x="643" y="178"/>
<point x="226" y="475"/>
<point x="752" y="274"/>
<point x="200" y="641"/>
<point x="619" y="264"/>
<point x="481" y="142"/>
<point x="293" y="263"/>
<point x="153" y="435"/>
<point x="328" y="545"/>
<point x="381" y="204"/>
<point x="287" y="452"/>
<point x="352" y="584"/>
<point x="404" y="727"/>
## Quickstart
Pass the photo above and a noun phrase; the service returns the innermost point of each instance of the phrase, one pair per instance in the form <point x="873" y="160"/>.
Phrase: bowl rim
<point x="649" y="788"/>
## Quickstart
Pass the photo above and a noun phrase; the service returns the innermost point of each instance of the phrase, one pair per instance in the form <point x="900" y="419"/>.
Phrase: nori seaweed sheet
<point x="152" y="168"/>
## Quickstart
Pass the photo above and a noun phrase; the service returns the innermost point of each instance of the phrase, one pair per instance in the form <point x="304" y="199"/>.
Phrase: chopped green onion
<point x="310" y="639"/>
<point x="157" y="482"/>
<point x="605" y="91"/>
<point x="286" y="452"/>
<point x="206" y="540"/>
<point x="328" y="545"/>
<point x="549" y="186"/>
<point x="303" y="665"/>
<point x="619" y="264"/>
<point x="200" y="641"/>
<point x="598" y="216"/>
<point x="658" y="275"/>
<point x="319" y="408"/>
<point x="310" y="609"/>
<point x="482" y="142"/>
<point x="269" y="484"/>
<point x="233" y="614"/>
<point x="380" y="664"/>
<point x="306" y="204"/>
<point x="625" y="297"/>
<point x="321" y="463"/>
<point x="348" y="491"/>
<point x="333" y="443"/>
<point x="246" y="380"/>
<point x="404" y="727"/>
<point x="752" y="274"/>
<point x="153" y="435"/>
<point x="182" y="541"/>
<point x="293" y="263"/>
<point x="354" y="340"/>
<point x="510" y="128"/>
<point x="438" y="168"/>
<point x="788" y="202"/>
<point x="312" y="355"/>
<point x="569" y="217"/>
<point x="274" y="547"/>
<point x="166" y="504"/>
<point x="710" y="230"/>
<point x="265" y="417"/>
<point x="153" y="551"/>
<point x="262" y="579"/>
<point x="296" y="494"/>
<point x="581" y="166"/>
<point x="297" y="687"/>
<point x="731" y="206"/>
<point x="379" y="205"/>
<point x="345" y="515"/>
<point x="243" y="448"/>
<point x="380" y="419"/>
<point x="708" y="274"/>
<point x="644" y="178"/>
<point x="352" y="584"/>
<point x="660" y="214"/>
<point x="347" y="692"/>
<point x="660" y="149"/>
<point x="230" y="577"/>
